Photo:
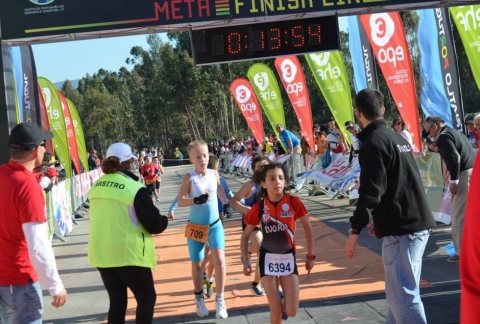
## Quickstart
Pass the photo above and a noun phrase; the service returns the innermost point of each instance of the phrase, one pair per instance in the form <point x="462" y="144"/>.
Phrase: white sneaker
<point x="202" y="310"/>
<point x="221" y="308"/>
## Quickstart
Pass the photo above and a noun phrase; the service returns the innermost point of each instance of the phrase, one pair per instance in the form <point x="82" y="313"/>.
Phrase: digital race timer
<point x="263" y="40"/>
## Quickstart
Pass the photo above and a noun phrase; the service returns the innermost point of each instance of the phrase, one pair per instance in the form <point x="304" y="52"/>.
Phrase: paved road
<point x="88" y="300"/>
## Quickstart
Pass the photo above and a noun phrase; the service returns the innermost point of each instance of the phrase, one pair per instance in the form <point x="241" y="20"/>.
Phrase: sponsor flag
<point x="56" y="120"/>
<point x="331" y="76"/>
<point x="387" y="37"/>
<point x="364" y="68"/>
<point x="268" y="93"/>
<point x="79" y="136"/>
<point x="72" y="142"/>
<point x="438" y="68"/>
<point x="246" y="100"/>
<point x="10" y="95"/>
<point x="44" y="118"/>
<point x="293" y="79"/>
<point x="467" y="20"/>
<point x="26" y="95"/>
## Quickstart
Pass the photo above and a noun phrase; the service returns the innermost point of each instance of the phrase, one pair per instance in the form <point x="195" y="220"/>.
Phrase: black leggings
<point x="140" y="282"/>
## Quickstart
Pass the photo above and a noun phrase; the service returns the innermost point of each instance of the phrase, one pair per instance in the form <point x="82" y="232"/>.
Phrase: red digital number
<point x="274" y="38"/>
<point x="297" y="36"/>
<point x="234" y="41"/>
<point x="314" y="34"/>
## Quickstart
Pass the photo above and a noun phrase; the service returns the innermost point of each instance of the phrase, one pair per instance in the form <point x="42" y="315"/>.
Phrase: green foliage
<point x="163" y="100"/>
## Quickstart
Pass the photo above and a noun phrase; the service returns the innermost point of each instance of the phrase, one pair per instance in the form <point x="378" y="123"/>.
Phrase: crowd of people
<point x="392" y="205"/>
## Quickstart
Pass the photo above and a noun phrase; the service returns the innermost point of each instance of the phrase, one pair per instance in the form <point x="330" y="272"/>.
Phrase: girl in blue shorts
<point x="199" y="191"/>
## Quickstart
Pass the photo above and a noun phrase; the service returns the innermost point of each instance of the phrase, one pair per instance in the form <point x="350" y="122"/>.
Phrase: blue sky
<point x="73" y="60"/>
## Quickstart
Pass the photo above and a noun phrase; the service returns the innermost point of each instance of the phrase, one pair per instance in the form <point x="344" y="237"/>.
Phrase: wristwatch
<point x="353" y="231"/>
<point x="311" y="257"/>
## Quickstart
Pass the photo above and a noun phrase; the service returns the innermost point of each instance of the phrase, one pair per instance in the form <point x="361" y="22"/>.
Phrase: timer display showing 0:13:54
<point x="263" y="40"/>
<point x="271" y="39"/>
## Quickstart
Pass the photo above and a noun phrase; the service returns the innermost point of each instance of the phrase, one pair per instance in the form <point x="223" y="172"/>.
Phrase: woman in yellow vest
<point x="122" y="221"/>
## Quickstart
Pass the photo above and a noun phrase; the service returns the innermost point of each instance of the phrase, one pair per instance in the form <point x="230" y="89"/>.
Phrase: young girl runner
<point x="248" y="192"/>
<point x="199" y="190"/>
<point x="277" y="214"/>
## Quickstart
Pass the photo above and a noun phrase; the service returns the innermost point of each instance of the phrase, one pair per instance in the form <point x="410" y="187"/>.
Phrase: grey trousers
<point x="459" y="201"/>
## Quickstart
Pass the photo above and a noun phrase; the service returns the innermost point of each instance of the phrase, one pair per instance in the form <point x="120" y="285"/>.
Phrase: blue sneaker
<point x="257" y="289"/>
<point x="284" y="315"/>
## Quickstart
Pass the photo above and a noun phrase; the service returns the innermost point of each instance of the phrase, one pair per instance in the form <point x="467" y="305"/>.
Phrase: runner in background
<point x="149" y="173"/>
<point x="248" y="193"/>
<point x="199" y="191"/>
<point x="158" y="180"/>
<point x="277" y="214"/>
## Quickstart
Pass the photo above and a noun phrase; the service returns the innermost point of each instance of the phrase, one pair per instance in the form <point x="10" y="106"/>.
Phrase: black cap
<point x="469" y="119"/>
<point x="28" y="135"/>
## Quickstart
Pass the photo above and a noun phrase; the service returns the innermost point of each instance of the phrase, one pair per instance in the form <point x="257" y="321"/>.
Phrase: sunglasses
<point x="350" y="127"/>
<point x="398" y="124"/>
<point x="43" y="144"/>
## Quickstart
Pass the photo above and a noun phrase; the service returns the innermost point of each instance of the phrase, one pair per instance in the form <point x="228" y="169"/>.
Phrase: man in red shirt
<point x="470" y="261"/>
<point x="26" y="255"/>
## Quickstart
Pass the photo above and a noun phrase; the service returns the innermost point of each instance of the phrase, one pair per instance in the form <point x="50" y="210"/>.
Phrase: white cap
<point x="122" y="151"/>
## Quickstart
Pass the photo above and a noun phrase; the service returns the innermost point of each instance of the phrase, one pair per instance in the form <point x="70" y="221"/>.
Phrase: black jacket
<point x="452" y="144"/>
<point x="391" y="190"/>
<point x="148" y="215"/>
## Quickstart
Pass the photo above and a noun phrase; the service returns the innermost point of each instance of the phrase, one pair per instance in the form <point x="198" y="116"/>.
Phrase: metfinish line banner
<point x="35" y="18"/>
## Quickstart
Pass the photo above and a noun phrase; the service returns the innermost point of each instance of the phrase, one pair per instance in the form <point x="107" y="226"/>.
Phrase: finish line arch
<point x="26" y="22"/>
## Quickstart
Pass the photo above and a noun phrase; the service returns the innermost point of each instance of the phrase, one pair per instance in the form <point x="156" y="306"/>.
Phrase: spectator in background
<point x="471" y="130"/>
<point x="399" y="126"/>
<point x="92" y="165"/>
<point x="292" y="145"/>
<point x="355" y="146"/>
<point x="458" y="155"/>
<point x="267" y="146"/>
<point x="26" y="254"/>
<point x="178" y="155"/>
<point x="476" y="133"/>
<point x="149" y="173"/>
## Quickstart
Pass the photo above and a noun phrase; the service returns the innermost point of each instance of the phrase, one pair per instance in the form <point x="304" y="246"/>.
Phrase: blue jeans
<point x="21" y="304"/>
<point x="402" y="260"/>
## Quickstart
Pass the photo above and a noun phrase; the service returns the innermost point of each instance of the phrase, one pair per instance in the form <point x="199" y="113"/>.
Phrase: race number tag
<point x="197" y="233"/>
<point x="279" y="264"/>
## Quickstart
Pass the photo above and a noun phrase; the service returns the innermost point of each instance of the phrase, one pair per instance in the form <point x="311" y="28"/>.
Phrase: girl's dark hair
<point x="112" y="164"/>
<point x="261" y="174"/>
<point x="258" y="159"/>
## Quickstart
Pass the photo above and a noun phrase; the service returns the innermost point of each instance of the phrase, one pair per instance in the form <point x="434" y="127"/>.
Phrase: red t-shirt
<point x="21" y="201"/>
<point x="277" y="222"/>
<point x="152" y="174"/>
<point x="470" y="258"/>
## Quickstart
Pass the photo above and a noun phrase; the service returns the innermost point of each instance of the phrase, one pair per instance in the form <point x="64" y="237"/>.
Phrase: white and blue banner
<point x="336" y="176"/>
<point x="440" y="94"/>
<point x="364" y="71"/>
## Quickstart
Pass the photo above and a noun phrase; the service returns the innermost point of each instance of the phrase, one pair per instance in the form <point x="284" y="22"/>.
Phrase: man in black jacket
<point x="459" y="156"/>
<point x="392" y="202"/>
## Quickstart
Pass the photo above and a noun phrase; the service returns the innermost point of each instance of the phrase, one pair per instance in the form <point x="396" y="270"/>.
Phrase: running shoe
<point x="221" y="308"/>
<point x="257" y="290"/>
<point x="204" y="285"/>
<point x="158" y="199"/>
<point x="210" y="286"/>
<point x="202" y="310"/>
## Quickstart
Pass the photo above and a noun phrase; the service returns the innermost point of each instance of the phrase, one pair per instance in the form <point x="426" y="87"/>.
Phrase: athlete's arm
<point x="183" y="200"/>
<point x="41" y="256"/>
<point x="148" y="214"/>
<point x="241" y="194"/>
<point x="220" y="192"/>
<point x="307" y="228"/>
